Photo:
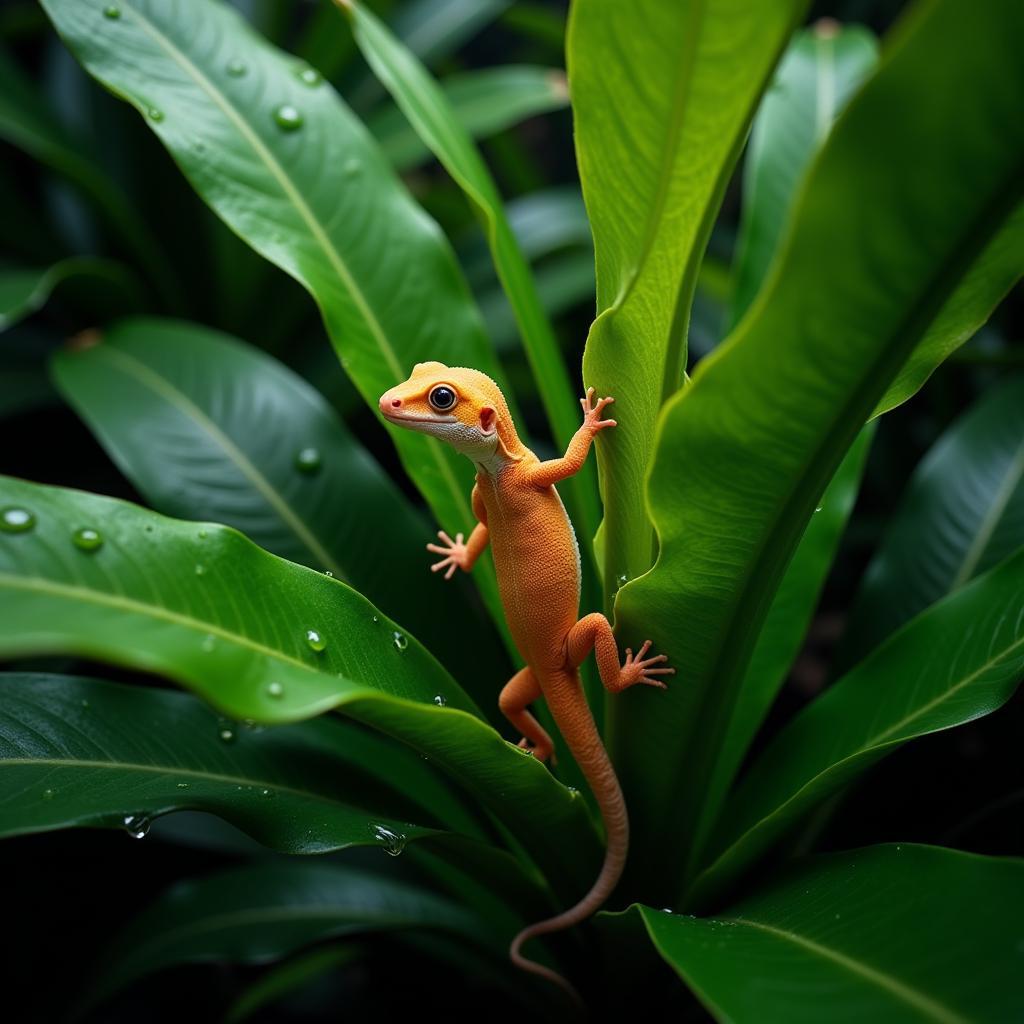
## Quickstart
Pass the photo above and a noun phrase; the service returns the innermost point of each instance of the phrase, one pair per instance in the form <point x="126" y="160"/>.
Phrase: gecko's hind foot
<point x="541" y="751"/>
<point x="639" y="669"/>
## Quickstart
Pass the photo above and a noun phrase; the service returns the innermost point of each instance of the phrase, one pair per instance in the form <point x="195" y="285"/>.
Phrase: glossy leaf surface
<point x="746" y="451"/>
<point x="208" y="428"/>
<point x="959" y="660"/>
<point x="889" y="933"/>
<point x="663" y="94"/>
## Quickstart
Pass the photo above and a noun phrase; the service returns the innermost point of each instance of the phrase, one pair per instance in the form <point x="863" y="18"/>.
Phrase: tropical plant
<point x="341" y="696"/>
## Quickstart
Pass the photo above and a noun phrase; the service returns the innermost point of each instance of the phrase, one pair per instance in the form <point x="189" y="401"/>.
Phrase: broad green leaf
<point x="961" y="659"/>
<point x="429" y="112"/>
<point x="961" y="513"/>
<point x="25" y="291"/>
<point x="886" y="933"/>
<point x="789" y="617"/>
<point x="77" y="752"/>
<point x="204" y="606"/>
<point x="820" y="71"/>
<point x="283" y="161"/>
<point x="663" y="94"/>
<point x="263" y="912"/>
<point x="894" y="213"/>
<point x="208" y="428"/>
<point x="483" y="102"/>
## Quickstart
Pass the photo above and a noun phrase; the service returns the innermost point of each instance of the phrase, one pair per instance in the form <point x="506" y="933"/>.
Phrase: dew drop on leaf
<point x="182" y="785"/>
<point x="87" y="539"/>
<point x="288" y="118"/>
<point x="393" y="842"/>
<point x="227" y="735"/>
<point x="307" y="460"/>
<point x="351" y="168"/>
<point x="440" y="701"/>
<point x="200" y="569"/>
<point x="236" y="68"/>
<point x="47" y="794"/>
<point x="16" y="520"/>
<point x="315" y="641"/>
<point x="112" y="11"/>
<point x="136" y="825"/>
<point x="327" y="572"/>
<point x="310" y="76"/>
<point x="275" y="690"/>
<point x="155" y="114"/>
<point x="400" y="640"/>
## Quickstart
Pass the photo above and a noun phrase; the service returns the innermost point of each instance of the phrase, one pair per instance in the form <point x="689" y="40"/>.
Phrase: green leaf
<point x="236" y="634"/>
<point x="76" y="752"/>
<point x="314" y="196"/>
<point x="961" y="513"/>
<point x="264" y="912"/>
<point x="208" y="428"/>
<point x="894" y="213"/>
<point x="790" y="614"/>
<point x="961" y="659"/>
<point x="483" y="102"/>
<point x="429" y="112"/>
<point x="25" y="291"/>
<point x="820" y="71"/>
<point x="663" y="94"/>
<point x="886" y="933"/>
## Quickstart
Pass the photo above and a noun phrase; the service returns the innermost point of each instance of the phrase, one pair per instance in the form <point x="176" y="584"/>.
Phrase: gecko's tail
<point x="576" y="723"/>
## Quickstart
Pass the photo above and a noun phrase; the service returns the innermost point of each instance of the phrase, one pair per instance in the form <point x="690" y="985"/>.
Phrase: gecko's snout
<point x="388" y="402"/>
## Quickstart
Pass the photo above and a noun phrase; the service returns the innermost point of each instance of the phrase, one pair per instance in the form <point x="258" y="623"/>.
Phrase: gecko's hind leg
<point x="521" y="690"/>
<point x="594" y="632"/>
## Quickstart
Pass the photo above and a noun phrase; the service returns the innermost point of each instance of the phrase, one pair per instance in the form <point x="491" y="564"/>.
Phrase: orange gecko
<point x="538" y="566"/>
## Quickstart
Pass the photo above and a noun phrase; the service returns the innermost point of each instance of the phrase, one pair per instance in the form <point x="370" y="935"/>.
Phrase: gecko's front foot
<point x="455" y="554"/>
<point x="592" y="412"/>
<point x="643" y="670"/>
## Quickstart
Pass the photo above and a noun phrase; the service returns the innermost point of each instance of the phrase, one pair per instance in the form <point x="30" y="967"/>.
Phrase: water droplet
<point x="200" y="569"/>
<point x="572" y="789"/>
<point x="16" y="520"/>
<point x="136" y="825"/>
<point x="202" y="535"/>
<point x="327" y="572"/>
<point x="227" y="735"/>
<point x="275" y="690"/>
<point x="47" y="794"/>
<point x="155" y="114"/>
<point x="209" y="642"/>
<point x="352" y="168"/>
<point x="315" y="641"/>
<point x="87" y="539"/>
<point x="182" y="785"/>
<point x="375" y="619"/>
<point x="440" y="701"/>
<point x="307" y="460"/>
<point x="400" y="640"/>
<point x="267" y="792"/>
<point x="818" y="509"/>
<point x="112" y="12"/>
<point x="621" y="581"/>
<point x="288" y="118"/>
<point x="310" y="76"/>
<point x="393" y="842"/>
<point x="236" y="68"/>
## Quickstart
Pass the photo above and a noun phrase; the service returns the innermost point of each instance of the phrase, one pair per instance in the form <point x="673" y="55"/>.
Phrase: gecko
<point x="537" y="560"/>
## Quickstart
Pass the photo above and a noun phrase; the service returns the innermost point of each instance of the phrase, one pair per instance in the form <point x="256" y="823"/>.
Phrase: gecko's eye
<point x="442" y="398"/>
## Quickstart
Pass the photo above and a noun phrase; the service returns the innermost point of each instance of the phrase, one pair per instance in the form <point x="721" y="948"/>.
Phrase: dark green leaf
<point x="894" y="213"/>
<point x="663" y="94"/>
<point x="208" y="428"/>
<point x="886" y="933"/>
<point x="484" y="102"/>
<point x="961" y="659"/>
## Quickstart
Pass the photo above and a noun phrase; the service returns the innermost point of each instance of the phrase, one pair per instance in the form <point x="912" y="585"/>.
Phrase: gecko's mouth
<point x="401" y="418"/>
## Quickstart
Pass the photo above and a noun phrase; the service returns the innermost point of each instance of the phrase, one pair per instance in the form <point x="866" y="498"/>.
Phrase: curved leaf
<point x="962" y="512"/>
<point x="886" y="933"/>
<point x="663" y="94"/>
<point x="959" y="660"/>
<point x="208" y="428"/>
<point x="236" y="634"/>
<point x="429" y="112"/>
<point x="820" y="71"/>
<point x="77" y="752"/>
<point x="746" y="451"/>
<point x="483" y="102"/>
<point x="312" y="194"/>
<point x="264" y="912"/>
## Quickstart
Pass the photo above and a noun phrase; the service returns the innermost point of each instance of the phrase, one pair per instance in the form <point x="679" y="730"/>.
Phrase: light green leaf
<point x="820" y="71"/>
<point x="961" y="659"/>
<point x="483" y="102"/>
<point x="746" y="451"/>
<point x="312" y="194"/>
<point x="236" y="633"/>
<point x="208" y="428"/>
<point x="663" y="94"/>
<point x="961" y="513"/>
<point x="425" y="105"/>
<point x="76" y="752"/>
<point x="887" y="933"/>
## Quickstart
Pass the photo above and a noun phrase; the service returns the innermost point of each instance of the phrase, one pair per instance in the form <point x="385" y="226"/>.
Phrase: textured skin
<point x="538" y="568"/>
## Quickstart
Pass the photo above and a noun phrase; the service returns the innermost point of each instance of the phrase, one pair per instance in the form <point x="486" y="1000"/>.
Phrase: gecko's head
<point x="461" y="406"/>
